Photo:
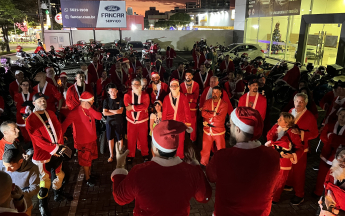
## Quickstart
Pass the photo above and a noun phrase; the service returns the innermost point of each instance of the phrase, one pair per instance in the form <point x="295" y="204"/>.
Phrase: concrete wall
<point x="179" y="40"/>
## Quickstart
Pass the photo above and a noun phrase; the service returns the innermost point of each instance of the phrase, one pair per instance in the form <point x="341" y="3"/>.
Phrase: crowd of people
<point x="152" y="110"/>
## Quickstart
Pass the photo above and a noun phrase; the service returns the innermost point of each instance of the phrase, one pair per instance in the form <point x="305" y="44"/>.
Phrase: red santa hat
<point x="165" y="135"/>
<point x="248" y="120"/>
<point x="174" y="81"/>
<point x="63" y="74"/>
<point x="86" y="96"/>
<point x="153" y="74"/>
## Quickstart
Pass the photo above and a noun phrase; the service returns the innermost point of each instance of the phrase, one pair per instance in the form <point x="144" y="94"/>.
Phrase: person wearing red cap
<point x="49" y="149"/>
<point x="207" y="94"/>
<point x="170" y="54"/>
<point x="191" y="90"/>
<point x="307" y="129"/>
<point x="157" y="89"/>
<point x="227" y="65"/>
<point x="84" y="133"/>
<point x="74" y="92"/>
<point x="203" y="77"/>
<point x="246" y="173"/>
<point x="48" y="90"/>
<point x="179" y="73"/>
<point x="95" y="70"/>
<point x="176" y="107"/>
<point x="254" y="99"/>
<point x="333" y="138"/>
<point x="137" y="103"/>
<point x="14" y="86"/>
<point x="214" y="113"/>
<point x="165" y="172"/>
<point x="63" y="86"/>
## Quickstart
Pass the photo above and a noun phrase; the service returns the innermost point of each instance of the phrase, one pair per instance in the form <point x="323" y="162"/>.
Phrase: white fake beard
<point x="337" y="172"/>
<point x="137" y="91"/>
<point x="176" y="91"/>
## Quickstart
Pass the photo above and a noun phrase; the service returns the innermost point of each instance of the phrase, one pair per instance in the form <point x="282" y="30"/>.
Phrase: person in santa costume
<point x="288" y="145"/>
<point x="203" y="77"/>
<point x="254" y="99"/>
<point x="328" y="98"/>
<point x="333" y="137"/>
<point x="49" y="90"/>
<point x="14" y="86"/>
<point x="293" y="75"/>
<point x="236" y="192"/>
<point x="179" y="73"/>
<point x="176" y="107"/>
<point x="307" y="129"/>
<point x="84" y="133"/>
<point x="165" y="172"/>
<point x="147" y="69"/>
<point x="51" y="77"/>
<point x="170" y="54"/>
<point x="214" y="113"/>
<point x="118" y="77"/>
<point x="208" y="94"/>
<point x="101" y="88"/>
<point x="134" y="63"/>
<point x="137" y="103"/>
<point x="337" y="103"/>
<point x="239" y="85"/>
<point x="157" y="89"/>
<point x="333" y="201"/>
<point x="191" y="90"/>
<point x="159" y="69"/>
<point x="198" y="58"/>
<point x="84" y="68"/>
<point x="24" y="95"/>
<point x="63" y="86"/>
<point x="74" y="92"/>
<point x="230" y="84"/>
<point x="94" y="70"/>
<point x="227" y="65"/>
<point x="47" y="139"/>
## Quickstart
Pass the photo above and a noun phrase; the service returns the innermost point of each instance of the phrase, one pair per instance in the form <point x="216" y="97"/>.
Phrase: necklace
<point x="90" y="120"/>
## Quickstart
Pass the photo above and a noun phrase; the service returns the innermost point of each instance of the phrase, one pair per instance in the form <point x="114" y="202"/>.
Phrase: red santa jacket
<point x="337" y="192"/>
<point x="50" y="91"/>
<point x="179" y="180"/>
<point x="327" y="99"/>
<point x="257" y="102"/>
<point x="205" y="83"/>
<point x="228" y="66"/>
<point x="135" y="65"/>
<point x="2" y="104"/>
<point x="180" y="112"/>
<point x="13" y="88"/>
<point x="214" y="122"/>
<point x="240" y="86"/>
<point x="331" y="139"/>
<point x="198" y="60"/>
<point x="234" y="177"/>
<point x="140" y="109"/>
<point x="164" y="91"/>
<point x="286" y="141"/>
<point x="49" y="80"/>
<point x="101" y="84"/>
<point x="192" y="96"/>
<point x="117" y="79"/>
<point x="176" y="75"/>
<point x="308" y="124"/>
<point x="170" y="54"/>
<point x="72" y="95"/>
<point x="43" y="141"/>
<point x="84" y="125"/>
<point x="19" y="98"/>
<point x="225" y="97"/>
<point x="333" y="109"/>
<point x="94" y="73"/>
<point x="292" y="77"/>
<point x="230" y="88"/>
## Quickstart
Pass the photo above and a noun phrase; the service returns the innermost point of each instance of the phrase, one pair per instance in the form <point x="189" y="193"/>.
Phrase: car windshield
<point x="231" y="46"/>
<point x="136" y="44"/>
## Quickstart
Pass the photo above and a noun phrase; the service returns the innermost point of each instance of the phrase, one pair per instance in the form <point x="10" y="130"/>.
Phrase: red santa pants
<point x="169" y="63"/>
<point x="137" y="135"/>
<point x="86" y="153"/>
<point x="207" y="145"/>
<point x="280" y="183"/>
<point x="321" y="175"/>
<point x="194" y="126"/>
<point x="297" y="176"/>
<point x="180" y="148"/>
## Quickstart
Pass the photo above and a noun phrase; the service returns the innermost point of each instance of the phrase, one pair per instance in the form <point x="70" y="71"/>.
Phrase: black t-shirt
<point x="203" y="76"/>
<point x="45" y="119"/>
<point x="80" y="89"/>
<point x="136" y="98"/>
<point x="114" y="104"/>
<point x="26" y="96"/>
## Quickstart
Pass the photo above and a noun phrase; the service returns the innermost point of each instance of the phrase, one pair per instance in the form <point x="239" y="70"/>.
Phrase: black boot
<point x="59" y="195"/>
<point x="43" y="207"/>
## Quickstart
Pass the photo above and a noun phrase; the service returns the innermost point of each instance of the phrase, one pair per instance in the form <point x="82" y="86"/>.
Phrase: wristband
<point x="19" y="198"/>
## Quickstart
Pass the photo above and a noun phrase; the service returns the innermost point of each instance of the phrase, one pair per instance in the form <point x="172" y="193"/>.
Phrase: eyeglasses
<point x="136" y="84"/>
<point x="174" y="86"/>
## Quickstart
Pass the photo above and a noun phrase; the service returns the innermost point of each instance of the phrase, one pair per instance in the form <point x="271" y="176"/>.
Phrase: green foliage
<point x="57" y="26"/>
<point x="179" y="19"/>
<point x="2" y="46"/>
<point x="163" y="24"/>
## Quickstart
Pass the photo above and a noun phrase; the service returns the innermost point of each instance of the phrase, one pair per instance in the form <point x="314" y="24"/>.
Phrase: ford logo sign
<point x="112" y="8"/>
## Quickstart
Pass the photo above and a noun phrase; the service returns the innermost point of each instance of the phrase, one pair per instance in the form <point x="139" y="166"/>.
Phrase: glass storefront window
<point x="264" y="36"/>
<point x="252" y="26"/>
<point x="328" y="6"/>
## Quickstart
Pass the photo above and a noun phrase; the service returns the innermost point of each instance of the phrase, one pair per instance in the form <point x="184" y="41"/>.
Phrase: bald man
<point x="10" y="193"/>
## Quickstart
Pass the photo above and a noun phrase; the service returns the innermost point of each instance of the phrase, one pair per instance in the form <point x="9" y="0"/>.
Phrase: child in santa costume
<point x="84" y="133"/>
<point x="214" y="113"/>
<point x="74" y="92"/>
<point x="333" y="137"/>
<point x="157" y="89"/>
<point x="137" y="103"/>
<point x="190" y="89"/>
<point x="234" y="169"/>
<point x="47" y="139"/>
<point x="288" y="146"/>
<point x="165" y="172"/>
<point x="176" y="107"/>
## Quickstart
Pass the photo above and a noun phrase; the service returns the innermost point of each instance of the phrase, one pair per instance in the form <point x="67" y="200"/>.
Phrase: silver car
<point x="253" y="50"/>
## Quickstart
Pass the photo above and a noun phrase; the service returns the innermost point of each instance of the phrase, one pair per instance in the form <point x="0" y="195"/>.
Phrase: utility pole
<point x="50" y="15"/>
<point x="41" y="20"/>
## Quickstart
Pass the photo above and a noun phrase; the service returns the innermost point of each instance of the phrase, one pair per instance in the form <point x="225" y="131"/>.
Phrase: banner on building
<point x="93" y="14"/>
<point x="264" y="8"/>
